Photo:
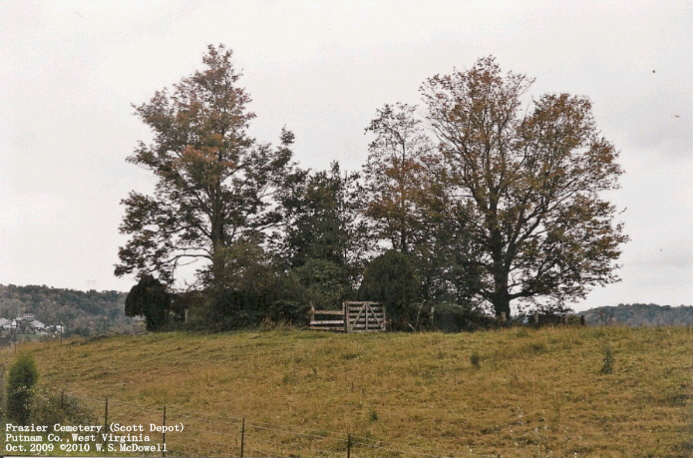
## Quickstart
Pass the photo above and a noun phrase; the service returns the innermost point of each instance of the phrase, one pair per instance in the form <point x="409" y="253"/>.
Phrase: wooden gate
<point x="364" y="316"/>
<point x="354" y="317"/>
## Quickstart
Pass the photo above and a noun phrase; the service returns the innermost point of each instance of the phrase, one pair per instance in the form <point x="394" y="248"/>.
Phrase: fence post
<point x="105" y="420"/>
<point x="2" y="384"/>
<point x="349" y="445"/>
<point x="163" y="452"/>
<point x="242" y="436"/>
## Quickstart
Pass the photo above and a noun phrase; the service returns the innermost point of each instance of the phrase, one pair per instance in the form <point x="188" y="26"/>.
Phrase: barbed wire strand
<point x="224" y="422"/>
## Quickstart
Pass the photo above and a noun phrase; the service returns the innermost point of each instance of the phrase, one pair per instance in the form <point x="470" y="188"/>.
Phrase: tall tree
<point x="214" y="182"/>
<point x="397" y="175"/>
<point x="320" y="218"/>
<point x="407" y="203"/>
<point x="530" y="181"/>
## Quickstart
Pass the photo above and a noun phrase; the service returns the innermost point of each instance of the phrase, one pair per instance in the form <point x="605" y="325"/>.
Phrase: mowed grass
<point x="513" y="392"/>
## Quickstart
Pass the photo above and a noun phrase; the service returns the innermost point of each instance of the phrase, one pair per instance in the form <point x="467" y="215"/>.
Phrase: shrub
<point x="608" y="366"/>
<point x="150" y="299"/>
<point x="475" y="359"/>
<point x="449" y="317"/>
<point x="391" y="280"/>
<point x="20" y="387"/>
<point x="324" y="283"/>
<point x="49" y="407"/>
<point x="550" y="315"/>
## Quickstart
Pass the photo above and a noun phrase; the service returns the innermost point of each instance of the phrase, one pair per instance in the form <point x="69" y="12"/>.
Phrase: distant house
<point x="7" y="324"/>
<point x="28" y="324"/>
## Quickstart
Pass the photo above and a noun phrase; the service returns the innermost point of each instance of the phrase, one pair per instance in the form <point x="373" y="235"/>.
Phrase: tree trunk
<point x="501" y="305"/>
<point x="501" y="272"/>
<point x="501" y="296"/>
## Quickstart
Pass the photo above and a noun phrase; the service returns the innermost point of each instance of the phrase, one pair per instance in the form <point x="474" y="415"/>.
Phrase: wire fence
<point x="133" y="430"/>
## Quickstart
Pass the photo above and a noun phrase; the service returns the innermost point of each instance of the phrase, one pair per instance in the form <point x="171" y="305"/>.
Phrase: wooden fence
<point x="327" y="320"/>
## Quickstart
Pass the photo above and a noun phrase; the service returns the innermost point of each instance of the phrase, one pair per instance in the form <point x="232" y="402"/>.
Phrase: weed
<point x="521" y="333"/>
<point x="537" y="348"/>
<point x="475" y="359"/>
<point x="349" y="356"/>
<point x="608" y="360"/>
<point x="556" y="420"/>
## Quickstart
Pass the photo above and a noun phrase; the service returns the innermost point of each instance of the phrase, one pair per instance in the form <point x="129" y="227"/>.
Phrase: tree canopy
<point x="214" y="183"/>
<point x="320" y="219"/>
<point x="530" y="182"/>
<point x="397" y="176"/>
<point x="482" y="197"/>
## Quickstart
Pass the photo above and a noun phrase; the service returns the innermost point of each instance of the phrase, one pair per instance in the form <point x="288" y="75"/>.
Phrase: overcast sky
<point x="70" y="70"/>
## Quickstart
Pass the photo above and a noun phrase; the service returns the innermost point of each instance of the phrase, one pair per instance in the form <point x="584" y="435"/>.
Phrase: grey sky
<point x="70" y="71"/>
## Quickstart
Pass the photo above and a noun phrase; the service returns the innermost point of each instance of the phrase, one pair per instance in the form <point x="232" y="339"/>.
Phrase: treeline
<point x="640" y="315"/>
<point x="81" y="313"/>
<point x="468" y="204"/>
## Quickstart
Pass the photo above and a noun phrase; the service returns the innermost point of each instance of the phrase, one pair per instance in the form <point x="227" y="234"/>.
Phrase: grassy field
<point x="512" y="393"/>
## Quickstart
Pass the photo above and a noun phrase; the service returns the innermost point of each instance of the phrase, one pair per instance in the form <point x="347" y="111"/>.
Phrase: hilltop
<point x="91" y="312"/>
<point x="514" y="392"/>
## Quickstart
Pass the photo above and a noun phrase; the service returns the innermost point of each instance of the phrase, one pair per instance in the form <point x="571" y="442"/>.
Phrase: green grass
<point x="513" y="392"/>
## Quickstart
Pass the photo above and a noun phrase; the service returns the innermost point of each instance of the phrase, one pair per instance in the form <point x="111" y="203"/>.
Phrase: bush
<point x="391" y="280"/>
<point x="20" y="389"/>
<point x="549" y="315"/>
<point x="457" y="318"/>
<point x="81" y="331"/>
<point x="150" y="299"/>
<point x="49" y="407"/>
<point x="475" y="359"/>
<point x="324" y="284"/>
<point x="289" y="313"/>
<point x="608" y="360"/>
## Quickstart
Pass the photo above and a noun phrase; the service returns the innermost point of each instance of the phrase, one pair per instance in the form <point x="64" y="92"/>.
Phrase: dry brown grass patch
<point x="534" y="392"/>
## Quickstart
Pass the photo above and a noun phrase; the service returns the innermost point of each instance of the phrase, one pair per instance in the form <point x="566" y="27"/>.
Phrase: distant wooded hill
<point x="640" y="315"/>
<point x="92" y="312"/>
<point x="82" y="313"/>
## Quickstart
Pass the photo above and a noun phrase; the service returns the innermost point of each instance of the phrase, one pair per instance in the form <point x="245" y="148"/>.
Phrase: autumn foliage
<point x="493" y="197"/>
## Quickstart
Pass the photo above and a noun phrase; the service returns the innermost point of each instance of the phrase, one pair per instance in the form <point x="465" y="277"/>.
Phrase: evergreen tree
<point x="391" y="280"/>
<point x="150" y="299"/>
